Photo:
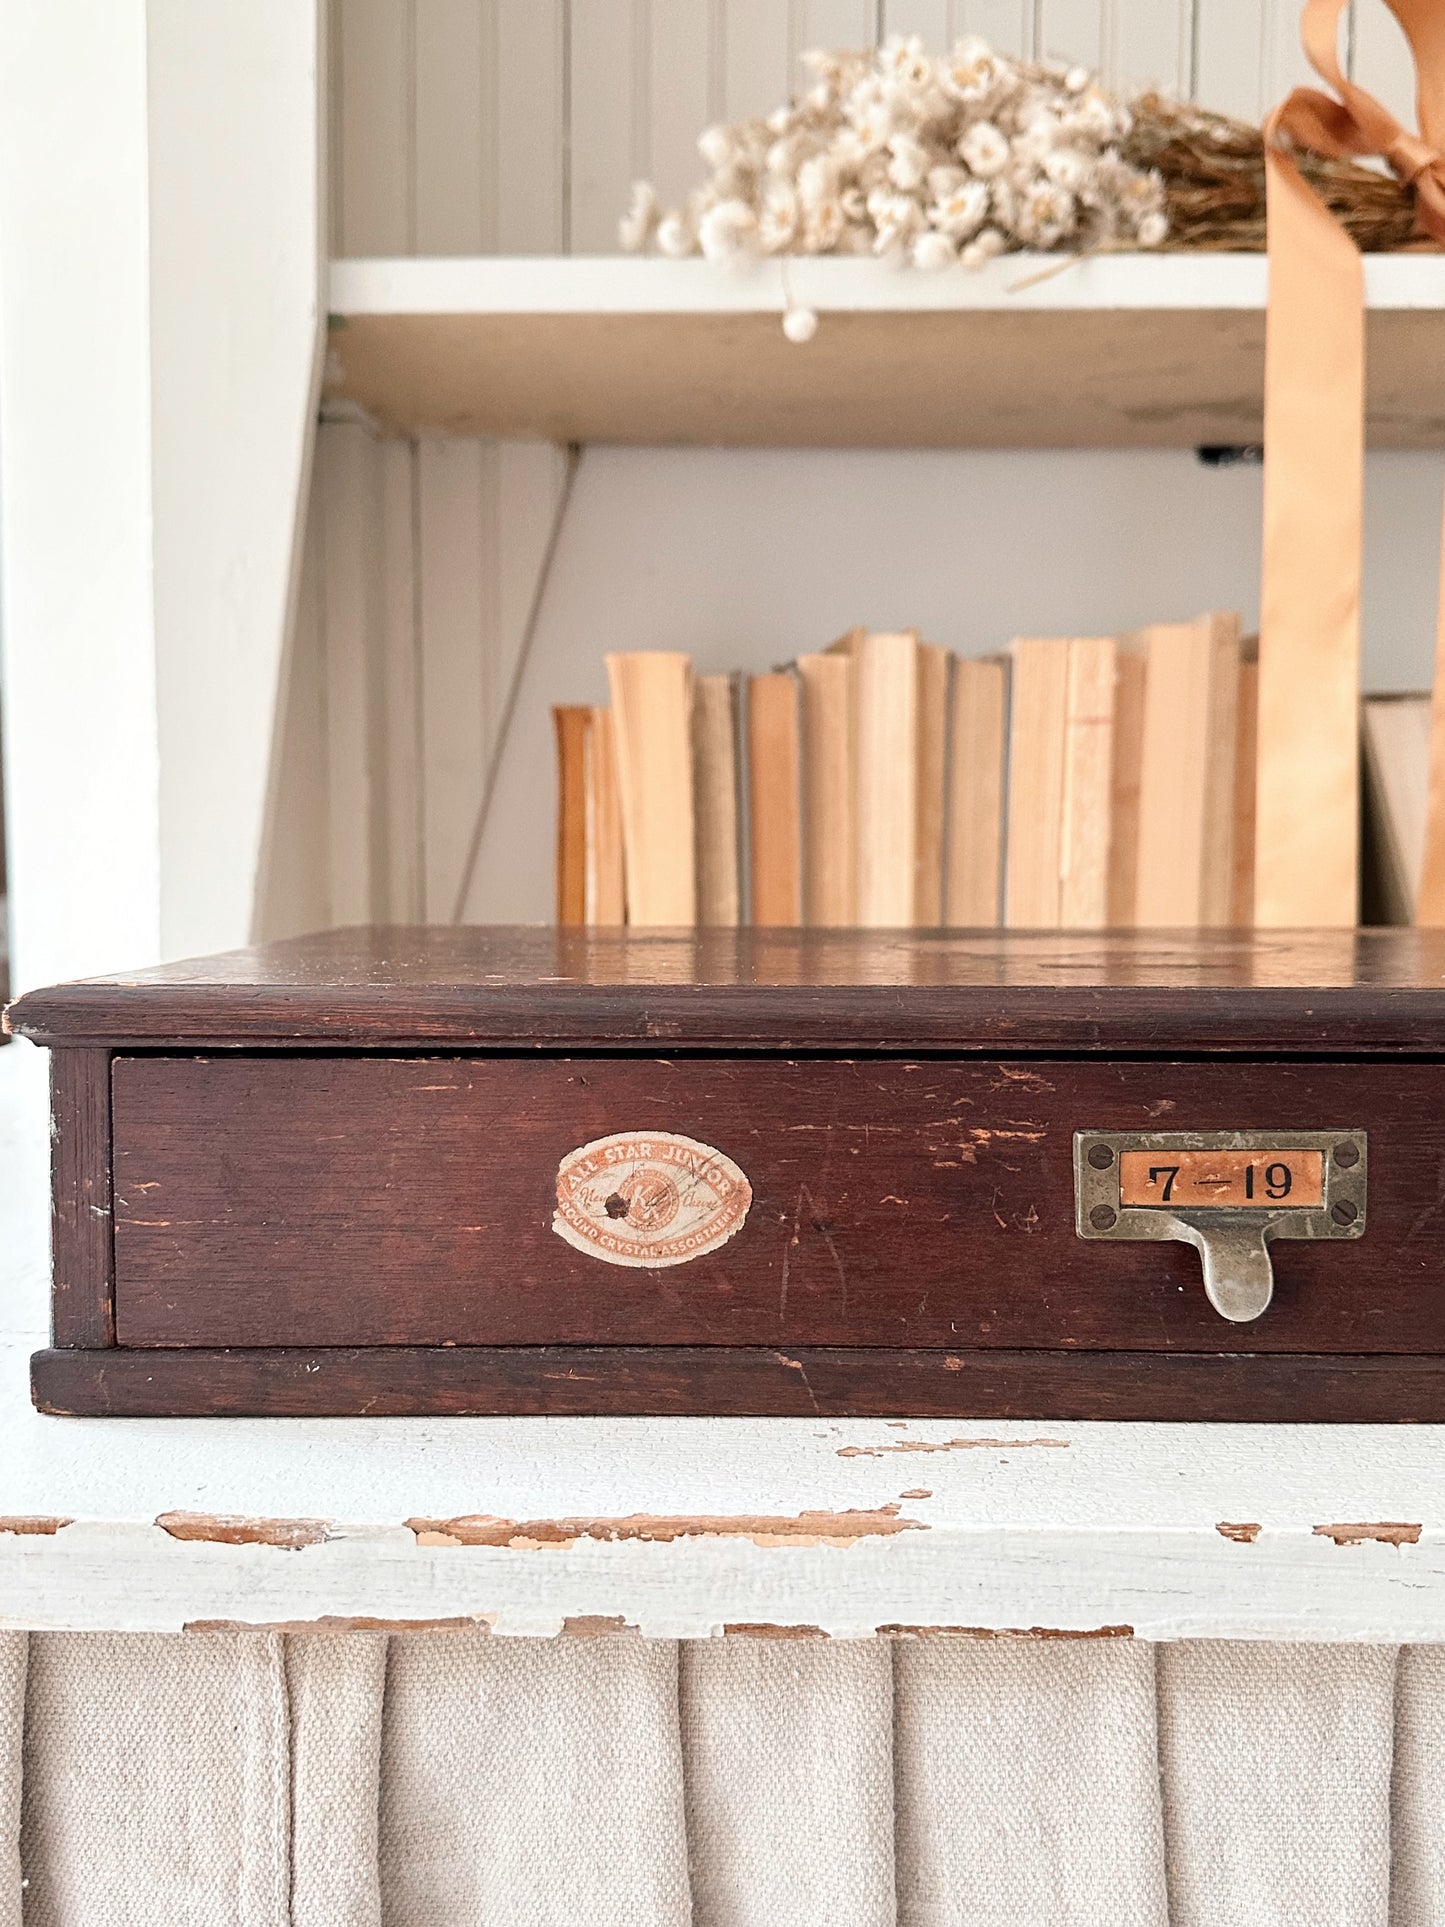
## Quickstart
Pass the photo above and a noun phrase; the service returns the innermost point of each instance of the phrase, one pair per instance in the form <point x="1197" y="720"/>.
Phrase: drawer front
<point x="273" y="1200"/>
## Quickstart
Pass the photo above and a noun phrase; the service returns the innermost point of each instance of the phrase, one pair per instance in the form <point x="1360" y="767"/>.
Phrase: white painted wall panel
<point x="1282" y="58"/>
<point x="400" y="892"/>
<point x="1071" y="30"/>
<point x="830" y="23"/>
<point x="1006" y="24"/>
<point x="448" y="122"/>
<point x="81" y="752"/>
<point x="1382" y="60"/>
<point x="931" y="20"/>
<point x="530" y="83"/>
<point x="1229" y="56"/>
<point x="454" y="163"/>
<point x="352" y="590"/>
<point x="755" y="54"/>
<point x="455" y="538"/>
<point x="236" y="237"/>
<point x="1148" y="43"/>
<point x="159" y="321"/>
<point x="346" y="833"/>
<point x="531" y="478"/>
<point x="295" y="885"/>
<point x="371" y="70"/>
<point x="681" y="93"/>
<point x="609" y="145"/>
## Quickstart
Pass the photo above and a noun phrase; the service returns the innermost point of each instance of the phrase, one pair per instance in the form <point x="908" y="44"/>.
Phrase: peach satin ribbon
<point x="1307" y="810"/>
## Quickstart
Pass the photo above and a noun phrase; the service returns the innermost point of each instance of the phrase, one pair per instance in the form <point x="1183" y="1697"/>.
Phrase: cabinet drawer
<point x="271" y="1199"/>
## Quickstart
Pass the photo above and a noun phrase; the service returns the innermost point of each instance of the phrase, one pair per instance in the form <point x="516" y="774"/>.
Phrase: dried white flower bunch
<point x="930" y="159"/>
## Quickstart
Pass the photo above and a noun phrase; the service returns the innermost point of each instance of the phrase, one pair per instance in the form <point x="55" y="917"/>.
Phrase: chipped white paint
<point x="1163" y="1583"/>
<point x="1232" y="1531"/>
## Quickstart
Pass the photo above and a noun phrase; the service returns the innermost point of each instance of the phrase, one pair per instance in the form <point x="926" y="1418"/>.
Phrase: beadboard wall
<point x="516" y="127"/>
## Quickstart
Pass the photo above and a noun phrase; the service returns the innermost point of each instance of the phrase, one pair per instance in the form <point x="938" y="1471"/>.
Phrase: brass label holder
<point x="1227" y="1193"/>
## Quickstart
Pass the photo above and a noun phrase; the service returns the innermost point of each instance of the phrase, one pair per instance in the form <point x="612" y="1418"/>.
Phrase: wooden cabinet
<point x="729" y="1171"/>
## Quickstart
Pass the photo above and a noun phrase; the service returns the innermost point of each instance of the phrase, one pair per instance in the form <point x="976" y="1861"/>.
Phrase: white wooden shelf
<point x="684" y="1527"/>
<point x="1033" y="351"/>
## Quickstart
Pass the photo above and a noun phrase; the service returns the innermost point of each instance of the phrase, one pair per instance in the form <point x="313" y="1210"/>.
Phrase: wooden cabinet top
<point x="741" y="989"/>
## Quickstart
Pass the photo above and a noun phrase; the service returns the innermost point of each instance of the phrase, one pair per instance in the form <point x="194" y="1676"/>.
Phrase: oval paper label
<point x="649" y="1198"/>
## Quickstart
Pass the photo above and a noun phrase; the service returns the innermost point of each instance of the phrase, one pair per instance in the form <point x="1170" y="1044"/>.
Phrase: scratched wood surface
<point x="379" y="1168"/>
<point x="716" y="989"/>
<point x="80" y="1181"/>
<point x="716" y="1381"/>
<point x="408" y="1201"/>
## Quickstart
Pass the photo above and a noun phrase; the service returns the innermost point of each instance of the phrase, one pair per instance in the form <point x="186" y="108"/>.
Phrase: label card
<point x="1233" y="1180"/>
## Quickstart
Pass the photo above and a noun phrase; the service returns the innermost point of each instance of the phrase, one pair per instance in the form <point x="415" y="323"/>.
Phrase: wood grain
<point x="720" y="1382"/>
<point x="978" y="754"/>
<point x="381" y="1200"/>
<point x="715" y="797"/>
<point x="934" y="677"/>
<point x="1116" y="378"/>
<point x="1128" y="771"/>
<point x="886" y="671"/>
<point x="1088" y="783"/>
<point x="652" y="726"/>
<point x="1038" y="720"/>
<point x="82" y="1298"/>
<point x="1173" y="768"/>
<point x="606" y="872"/>
<point x="572" y="724"/>
<point x="1221" y="782"/>
<point x="826" y="705"/>
<point x="1328" y="992"/>
<point x="374" y="1170"/>
<point x="775" y="831"/>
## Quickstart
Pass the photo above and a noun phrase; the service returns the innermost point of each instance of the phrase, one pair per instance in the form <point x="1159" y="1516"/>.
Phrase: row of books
<point x="1074" y="783"/>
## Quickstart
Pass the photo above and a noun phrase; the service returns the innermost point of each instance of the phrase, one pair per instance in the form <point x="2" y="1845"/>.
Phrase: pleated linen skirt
<point x="451" y="1779"/>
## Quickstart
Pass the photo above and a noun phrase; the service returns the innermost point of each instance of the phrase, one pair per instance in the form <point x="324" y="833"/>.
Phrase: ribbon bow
<point x="1306" y="858"/>
<point x="1356" y="124"/>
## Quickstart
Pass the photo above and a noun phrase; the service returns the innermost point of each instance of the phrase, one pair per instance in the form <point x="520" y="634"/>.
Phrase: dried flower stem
<point x="936" y="160"/>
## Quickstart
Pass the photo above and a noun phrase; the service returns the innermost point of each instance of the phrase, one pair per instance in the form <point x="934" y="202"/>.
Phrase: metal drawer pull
<point x="1227" y="1193"/>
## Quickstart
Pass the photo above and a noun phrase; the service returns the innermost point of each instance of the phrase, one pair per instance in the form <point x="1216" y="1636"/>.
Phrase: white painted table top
<point x="682" y="1527"/>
